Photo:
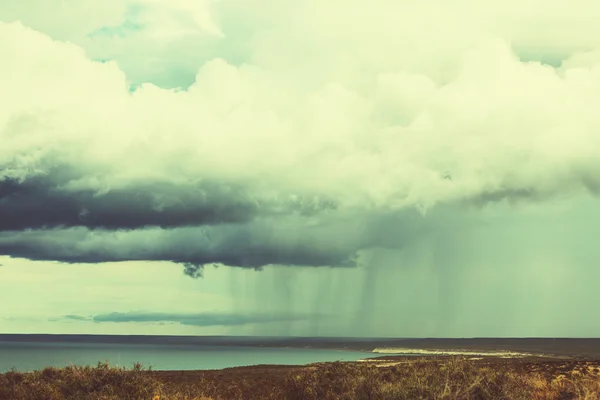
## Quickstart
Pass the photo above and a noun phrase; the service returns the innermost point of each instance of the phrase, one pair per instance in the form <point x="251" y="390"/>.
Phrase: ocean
<point x="27" y="352"/>
<point x="29" y="356"/>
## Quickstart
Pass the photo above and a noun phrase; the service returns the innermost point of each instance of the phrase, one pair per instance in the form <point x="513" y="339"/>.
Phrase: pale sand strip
<point x="442" y="352"/>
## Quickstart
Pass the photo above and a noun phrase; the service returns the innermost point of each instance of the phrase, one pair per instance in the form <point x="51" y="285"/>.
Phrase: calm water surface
<point x="26" y="356"/>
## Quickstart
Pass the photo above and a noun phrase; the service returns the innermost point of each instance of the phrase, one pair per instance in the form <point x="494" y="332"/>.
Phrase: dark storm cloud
<point x="193" y="247"/>
<point x="43" y="202"/>
<point x="37" y="203"/>
<point x="196" y="319"/>
<point x="508" y="195"/>
<point x="294" y="240"/>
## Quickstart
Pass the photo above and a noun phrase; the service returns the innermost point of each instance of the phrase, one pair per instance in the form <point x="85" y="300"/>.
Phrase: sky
<point x="309" y="168"/>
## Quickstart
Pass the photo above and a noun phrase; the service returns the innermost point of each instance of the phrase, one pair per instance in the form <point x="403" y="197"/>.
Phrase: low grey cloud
<point x="76" y="317"/>
<point x="333" y="241"/>
<point x="234" y="247"/>
<point x="194" y="319"/>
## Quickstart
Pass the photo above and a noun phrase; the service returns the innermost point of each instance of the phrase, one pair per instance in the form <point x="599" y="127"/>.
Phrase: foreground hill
<point x="390" y="378"/>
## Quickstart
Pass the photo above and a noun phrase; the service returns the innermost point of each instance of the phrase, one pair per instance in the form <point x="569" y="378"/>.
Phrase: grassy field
<point x="449" y="378"/>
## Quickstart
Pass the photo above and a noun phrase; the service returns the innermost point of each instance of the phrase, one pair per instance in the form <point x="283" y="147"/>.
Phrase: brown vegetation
<point x="82" y="383"/>
<point x="449" y="378"/>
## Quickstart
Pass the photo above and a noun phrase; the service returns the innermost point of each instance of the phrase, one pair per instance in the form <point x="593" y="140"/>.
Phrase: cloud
<point x="76" y="317"/>
<point x="291" y="240"/>
<point x="194" y="319"/>
<point x="290" y="128"/>
<point x="37" y="203"/>
<point x="230" y="127"/>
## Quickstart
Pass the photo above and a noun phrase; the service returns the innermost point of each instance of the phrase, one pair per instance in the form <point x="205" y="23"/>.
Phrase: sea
<point x="30" y="355"/>
<point x="29" y="352"/>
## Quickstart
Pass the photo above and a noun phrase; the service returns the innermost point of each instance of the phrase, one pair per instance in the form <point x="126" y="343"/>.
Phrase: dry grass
<point x="453" y="378"/>
<point x="82" y="383"/>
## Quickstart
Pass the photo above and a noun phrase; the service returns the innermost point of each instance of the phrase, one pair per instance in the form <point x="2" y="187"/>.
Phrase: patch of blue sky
<point x="129" y="25"/>
<point x="134" y="86"/>
<point x="125" y="29"/>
